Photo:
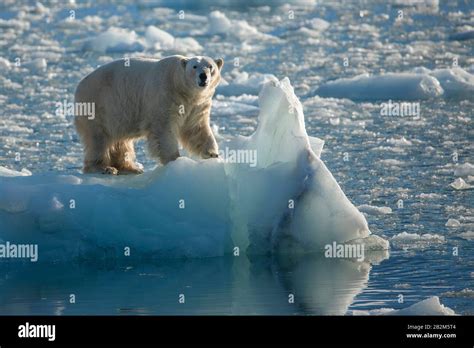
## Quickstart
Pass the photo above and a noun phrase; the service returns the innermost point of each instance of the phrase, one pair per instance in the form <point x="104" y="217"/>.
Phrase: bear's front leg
<point x="200" y="140"/>
<point x="210" y="150"/>
<point x="162" y="144"/>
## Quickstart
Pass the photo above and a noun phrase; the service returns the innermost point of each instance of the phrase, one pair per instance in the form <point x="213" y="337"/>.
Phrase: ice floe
<point x="122" y="40"/>
<point x="241" y="82"/>
<point x="115" y="40"/>
<point x="374" y="210"/>
<point x="464" y="169"/>
<point x="453" y="223"/>
<point x="469" y="293"/>
<point x="219" y="24"/>
<point x="469" y="235"/>
<point x="194" y="208"/>
<point x="419" y="84"/>
<point x="406" y="240"/>
<point x="460" y="184"/>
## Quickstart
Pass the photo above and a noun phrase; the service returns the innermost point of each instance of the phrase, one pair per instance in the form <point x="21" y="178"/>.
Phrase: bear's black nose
<point x="203" y="76"/>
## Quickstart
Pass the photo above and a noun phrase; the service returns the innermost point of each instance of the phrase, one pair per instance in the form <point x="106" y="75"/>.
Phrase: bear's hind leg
<point x="122" y="156"/>
<point x="97" y="156"/>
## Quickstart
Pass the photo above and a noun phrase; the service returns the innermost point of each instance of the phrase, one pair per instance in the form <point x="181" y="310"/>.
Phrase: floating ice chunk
<point x="464" y="169"/>
<point x="456" y="83"/>
<point x="402" y="286"/>
<point x="14" y="23"/>
<point x="158" y="38"/>
<point x="4" y="64"/>
<point x="92" y="20"/>
<point x="462" y="293"/>
<point x="430" y="196"/>
<point x="469" y="235"/>
<point x="187" y="44"/>
<point x="36" y="64"/>
<point x="399" y="141"/>
<point x="219" y="24"/>
<point x="373" y="210"/>
<point x="430" y="306"/>
<point x="41" y="9"/>
<point x="115" y="40"/>
<point x="403" y="86"/>
<point x="374" y="244"/>
<point x="313" y="27"/>
<point x="244" y="83"/>
<point x="5" y="172"/>
<point x="87" y="21"/>
<point x="243" y="104"/>
<point x="162" y="40"/>
<point x="416" y="241"/>
<point x="194" y="208"/>
<point x="392" y="162"/>
<point x="452" y="223"/>
<point x="460" y="184"/>
<point x="421" y="83"/>
<point x="422" y="6"/>
<point x="317" y="24"/>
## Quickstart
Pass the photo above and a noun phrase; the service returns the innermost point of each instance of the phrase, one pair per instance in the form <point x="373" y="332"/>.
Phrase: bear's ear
<point x="183" y="62"/>
<point x="219" y="63"/>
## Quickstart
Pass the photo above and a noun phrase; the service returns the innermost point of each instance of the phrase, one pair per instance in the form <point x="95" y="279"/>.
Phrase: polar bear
<point x="168" y="101"/>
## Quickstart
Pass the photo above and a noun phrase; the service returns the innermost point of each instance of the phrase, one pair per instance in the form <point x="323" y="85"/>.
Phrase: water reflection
<point x="225" y="285"/>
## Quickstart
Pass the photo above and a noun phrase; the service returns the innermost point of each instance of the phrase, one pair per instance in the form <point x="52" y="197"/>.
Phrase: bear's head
<point x="202" y="73"/>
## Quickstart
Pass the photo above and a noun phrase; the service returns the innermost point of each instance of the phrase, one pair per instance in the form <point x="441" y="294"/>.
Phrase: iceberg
<point x="286" y="201"/>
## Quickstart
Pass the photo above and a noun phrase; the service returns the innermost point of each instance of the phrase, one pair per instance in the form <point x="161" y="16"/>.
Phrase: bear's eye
<point x="195" y="67"/>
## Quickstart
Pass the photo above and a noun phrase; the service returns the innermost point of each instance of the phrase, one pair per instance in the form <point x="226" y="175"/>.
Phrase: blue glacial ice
<point x="287" y="201"/>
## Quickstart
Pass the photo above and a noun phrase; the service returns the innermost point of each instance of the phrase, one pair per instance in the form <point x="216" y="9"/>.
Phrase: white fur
<point x="161" y="100"/>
